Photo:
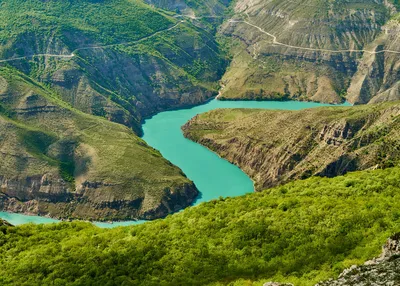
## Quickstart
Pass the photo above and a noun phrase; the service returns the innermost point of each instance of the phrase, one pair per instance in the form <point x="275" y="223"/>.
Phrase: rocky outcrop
<point x="91" y="204"/>
<point x="4" y="223"/>
<point x="274" y="147"/>
<point x="46" y="187"/>
<point x="383" y="270"/>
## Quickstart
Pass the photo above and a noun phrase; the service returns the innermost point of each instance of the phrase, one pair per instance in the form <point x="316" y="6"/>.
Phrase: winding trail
<point x="73" y="54"/>
<point x="38" y="55"/>
<point x="276" y="42"/>
<point x="198" y="18"/>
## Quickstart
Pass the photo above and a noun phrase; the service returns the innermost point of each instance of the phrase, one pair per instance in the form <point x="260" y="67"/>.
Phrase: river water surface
<point x="213" y="176"/>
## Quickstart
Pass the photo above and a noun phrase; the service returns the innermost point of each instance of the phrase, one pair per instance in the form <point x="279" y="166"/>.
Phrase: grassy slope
<point x="301" y="232"/>
<point x="274" y="147"/>
<point x="123" y="83"/>
<point x="36" y="127"/>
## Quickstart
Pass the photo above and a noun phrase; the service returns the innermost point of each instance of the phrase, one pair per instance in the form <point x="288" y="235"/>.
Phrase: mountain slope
<point x="63" y="163"/>
<point x="303" y="232"/>
<point x="198" y="8"/>
<point x="309" y="50"/>
<point x="378" y="76"/>
<point x="122" y="59"/>
<point x="274" y="147"/>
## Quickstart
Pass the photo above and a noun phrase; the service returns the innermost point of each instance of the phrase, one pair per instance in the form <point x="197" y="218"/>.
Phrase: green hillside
<point x="194" y="8"/>
<point x="60" y="162"/>
<point x="131" y="60"/>
<point x="104" y="21"/>
<point x="61" y="62"/>
<point x="302" y="232"/>
<point x="77" y="79"/>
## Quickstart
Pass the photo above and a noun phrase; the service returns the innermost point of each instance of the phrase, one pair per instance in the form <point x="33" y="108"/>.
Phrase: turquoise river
<point x="213" y="176"/>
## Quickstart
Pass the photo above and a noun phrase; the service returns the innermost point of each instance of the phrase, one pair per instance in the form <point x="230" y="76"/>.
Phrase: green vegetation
<point x="96" y="169"/>
<point x="131" y="59"/>
<point x="58" y="159"/>
<point x="196" y="8"/>
<point x="106" y="21"/>
<point x="300" y="232"/>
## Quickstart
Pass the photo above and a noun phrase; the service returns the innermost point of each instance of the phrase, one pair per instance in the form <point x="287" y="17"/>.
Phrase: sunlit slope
<point x="309" y="50"/>
<point x="302" y="232"/>
<point x="61" y="162"/>
<point x="130" y="60"/>
<point x="275" y="147"/>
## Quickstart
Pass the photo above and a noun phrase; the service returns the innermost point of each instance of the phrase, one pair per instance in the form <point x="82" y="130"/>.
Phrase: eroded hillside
<point x="274" y="147"/>
<point x="63" y="163"/>
<point x="313" y="50"/>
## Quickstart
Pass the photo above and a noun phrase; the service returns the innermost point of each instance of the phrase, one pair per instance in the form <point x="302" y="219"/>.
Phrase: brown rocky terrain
<point x="274" y="147"/>
<point x="324" y="51"/>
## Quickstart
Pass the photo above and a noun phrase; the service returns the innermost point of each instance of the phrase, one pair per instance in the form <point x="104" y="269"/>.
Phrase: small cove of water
<point x="213" y="176"/>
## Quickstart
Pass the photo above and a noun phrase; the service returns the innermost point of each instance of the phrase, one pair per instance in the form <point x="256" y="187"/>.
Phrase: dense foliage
<point x="301" y="232"/>
<point x="108" y="21"/>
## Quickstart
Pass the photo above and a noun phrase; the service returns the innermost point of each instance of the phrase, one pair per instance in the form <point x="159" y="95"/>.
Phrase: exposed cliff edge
<point x="275" y="147"/>
<point x="383" y="270"/>
<point x="62" y="163"/>
<point x="4" y="223"/>
<point x="378" y="76"/>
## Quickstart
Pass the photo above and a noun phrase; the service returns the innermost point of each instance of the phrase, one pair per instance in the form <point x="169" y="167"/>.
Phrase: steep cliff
<point x="310" y="50"/>
<point x="274" y="147"/>
<point x="378" y="75"/>
<point x="60" y="162"/>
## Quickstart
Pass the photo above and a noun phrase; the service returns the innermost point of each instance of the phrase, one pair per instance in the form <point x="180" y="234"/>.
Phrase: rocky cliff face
<point x="378" y="76"/>
<point x="60" y="162"/>
<point x="383" y="270"/>
<point x="312" y="50"/>
<point x="118" y="60"/>
<point x="4" y="223"/>
<point x="95" y="201"/>
<point x="274" y="147"/>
